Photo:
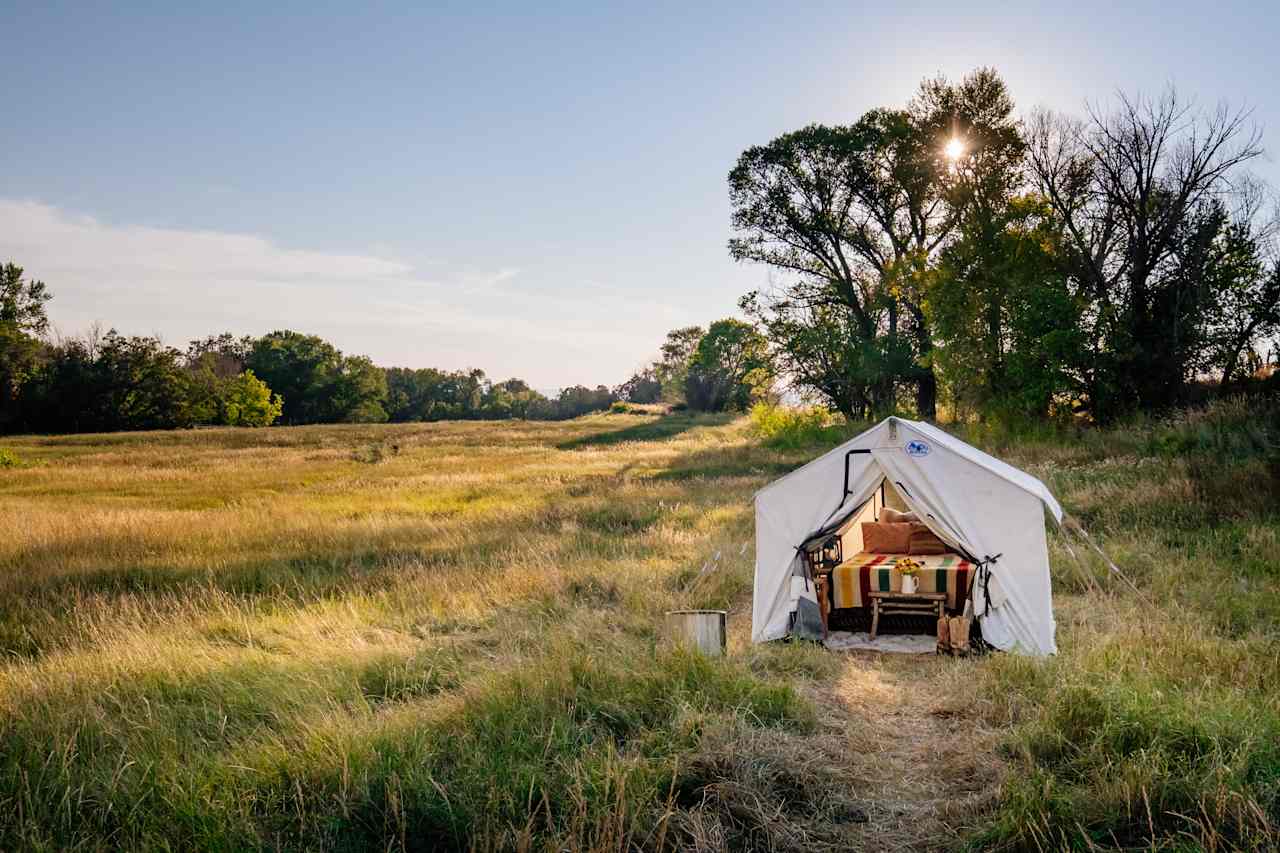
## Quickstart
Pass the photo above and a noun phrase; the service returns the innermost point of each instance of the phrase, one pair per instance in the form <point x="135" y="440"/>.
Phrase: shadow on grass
<point x="656" y="430"/>
<point x="751" y="460"/>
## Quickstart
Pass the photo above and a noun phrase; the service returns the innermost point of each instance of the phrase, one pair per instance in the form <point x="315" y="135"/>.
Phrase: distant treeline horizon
<point x="105" y="381"/>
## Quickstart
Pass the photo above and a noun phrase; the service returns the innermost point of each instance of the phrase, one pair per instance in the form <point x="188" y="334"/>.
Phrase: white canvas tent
<point x="978" y="505"/>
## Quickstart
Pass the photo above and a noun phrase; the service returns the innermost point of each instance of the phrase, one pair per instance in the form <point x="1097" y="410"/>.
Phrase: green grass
<point x="445" y="636"/>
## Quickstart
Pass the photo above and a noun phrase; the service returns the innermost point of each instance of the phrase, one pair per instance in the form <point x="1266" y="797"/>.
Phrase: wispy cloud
<point x="56" y="243"/>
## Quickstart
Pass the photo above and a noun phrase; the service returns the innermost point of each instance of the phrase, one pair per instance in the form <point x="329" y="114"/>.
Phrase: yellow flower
<point x="907" y="566"/>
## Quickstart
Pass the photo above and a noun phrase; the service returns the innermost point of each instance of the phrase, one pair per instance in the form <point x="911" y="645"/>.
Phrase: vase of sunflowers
<point x="908" y="569"/>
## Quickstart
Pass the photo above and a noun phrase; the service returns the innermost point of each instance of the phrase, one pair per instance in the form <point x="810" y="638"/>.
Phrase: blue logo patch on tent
<point x="917" y="448"/>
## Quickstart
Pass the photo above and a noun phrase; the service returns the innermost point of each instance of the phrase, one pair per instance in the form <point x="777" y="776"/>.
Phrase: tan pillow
<point x="892" y="516"/>
<point x="881" y="538"/>
<point x="922" y="541"/>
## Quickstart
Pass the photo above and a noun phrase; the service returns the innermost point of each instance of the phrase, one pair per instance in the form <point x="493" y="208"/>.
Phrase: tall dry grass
<point x="444" y="636"/>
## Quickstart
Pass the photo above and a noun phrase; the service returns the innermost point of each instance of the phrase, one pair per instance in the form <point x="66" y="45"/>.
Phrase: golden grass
<point x="441" y="636"/>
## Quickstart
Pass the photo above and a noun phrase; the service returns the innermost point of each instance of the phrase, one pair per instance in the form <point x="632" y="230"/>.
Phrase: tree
<point x="1005" y="316"/>
<point x="414" y="395"/>
<point x="672" y="365"/>
<point x="510" y="399"/>
<point x="22" y="301"/>
<point x="428" y="394"/>
<point x="107" y="382"/>
<point x="356" y="391"/>
<point x="577" y="400"/>
<point x="240" y="399"/>
<point x="66" y="393"/>
<point x="23" y="322"/>
<point x="247" y="401"/>
<point x="1244" y="287"/>
<point x="318" y="383"/>
<point x="20" y="357"/>
<point x="300" y="368"/>
<point x="855" y="218"/>
<point x="795" y="207"/>
<point x="643" y="387"/>
<point x="1136" y="188"/>
<point x="730" y="369"/>
<point x="143" y="384"/>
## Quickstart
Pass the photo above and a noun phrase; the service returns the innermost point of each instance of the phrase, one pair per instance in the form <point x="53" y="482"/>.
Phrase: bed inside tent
<point x="860" y="552"/>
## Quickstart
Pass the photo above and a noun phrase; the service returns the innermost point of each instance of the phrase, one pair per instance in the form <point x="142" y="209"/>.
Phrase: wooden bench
<point x="916" y="603"/>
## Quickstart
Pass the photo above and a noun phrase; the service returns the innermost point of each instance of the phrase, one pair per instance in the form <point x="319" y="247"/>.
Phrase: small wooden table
<point x="915" y="603"/>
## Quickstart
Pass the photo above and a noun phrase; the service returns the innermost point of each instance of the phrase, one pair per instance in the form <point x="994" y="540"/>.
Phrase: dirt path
<point x="918" y="760"/>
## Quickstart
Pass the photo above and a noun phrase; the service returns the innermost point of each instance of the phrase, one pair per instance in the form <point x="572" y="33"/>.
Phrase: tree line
<point x="950" y="250"/>
<point x="105" y="381"/>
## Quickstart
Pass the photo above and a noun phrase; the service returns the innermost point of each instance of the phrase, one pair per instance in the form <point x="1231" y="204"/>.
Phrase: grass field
<point x="443" y="636"/>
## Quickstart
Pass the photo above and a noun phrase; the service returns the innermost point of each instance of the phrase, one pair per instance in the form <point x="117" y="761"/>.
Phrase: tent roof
<point x="1001" y="469"/>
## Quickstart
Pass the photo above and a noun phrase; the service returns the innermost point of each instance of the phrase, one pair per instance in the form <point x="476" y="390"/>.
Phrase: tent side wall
<point x="995" y="516"/>
<point x="788" y="511"/>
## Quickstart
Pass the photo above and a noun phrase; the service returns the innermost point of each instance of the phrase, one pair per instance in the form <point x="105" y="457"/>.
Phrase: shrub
<point x="787" y="427"/>
<point x="8" y="459"/>
<point x="1238" y="428"/>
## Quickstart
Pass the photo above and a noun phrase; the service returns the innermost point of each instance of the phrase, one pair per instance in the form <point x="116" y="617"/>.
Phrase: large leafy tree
<point x="143" y="384"/>
<point x="1140" y="189"/>
<point x="23" y="322"/>
<point x="301" y="369"/>
<point x="855" y="218"/>
<point x="22" y="301"/>
<point x="357" y="391"/>
<point x="511" y="398"/>
<point x="729" y="369"/>
<point x="795" y="209"/>
<point x="1005" y="315"/>
<point x="318" y="383"/>
<point x="998" y="302"/>
<point x="415" y="394"/>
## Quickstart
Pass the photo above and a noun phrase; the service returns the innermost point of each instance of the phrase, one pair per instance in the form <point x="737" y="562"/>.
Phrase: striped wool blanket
<point x="855" y="578"/>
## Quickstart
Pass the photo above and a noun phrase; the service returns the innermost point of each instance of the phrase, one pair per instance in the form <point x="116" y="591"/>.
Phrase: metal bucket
<point x="700" y="630"/>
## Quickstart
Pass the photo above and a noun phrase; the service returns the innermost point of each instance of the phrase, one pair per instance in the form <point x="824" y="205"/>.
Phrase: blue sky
<point x="536" y="190"/>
